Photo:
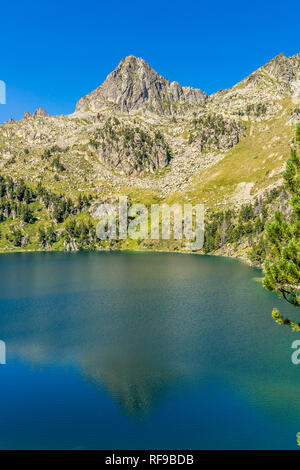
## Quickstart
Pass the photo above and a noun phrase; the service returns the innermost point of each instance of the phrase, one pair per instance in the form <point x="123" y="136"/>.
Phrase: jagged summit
<point x="134" y="85"/>
<point x="40" y="112"/>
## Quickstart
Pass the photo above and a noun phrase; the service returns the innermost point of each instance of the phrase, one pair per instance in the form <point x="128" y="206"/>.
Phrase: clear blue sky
<point x="52" y="53"/>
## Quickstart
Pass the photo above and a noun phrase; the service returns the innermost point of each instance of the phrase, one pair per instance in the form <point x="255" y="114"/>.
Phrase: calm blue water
<point x="143" y="351"/>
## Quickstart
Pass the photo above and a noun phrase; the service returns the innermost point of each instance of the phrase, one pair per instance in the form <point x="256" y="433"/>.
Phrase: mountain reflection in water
<point x="183" y="341"/>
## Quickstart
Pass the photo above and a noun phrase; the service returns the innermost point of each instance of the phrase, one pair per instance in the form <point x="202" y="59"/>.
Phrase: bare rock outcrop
<point x="134" y="85"/>
<point x="40" y="112"/>
<point x="130" y="149"/>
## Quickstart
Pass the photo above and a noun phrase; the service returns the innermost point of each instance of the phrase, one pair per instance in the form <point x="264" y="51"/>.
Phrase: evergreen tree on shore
<point x="282" y="268"/>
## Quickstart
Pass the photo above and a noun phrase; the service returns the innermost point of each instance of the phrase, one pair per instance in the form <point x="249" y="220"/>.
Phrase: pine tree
<point x="282" y="268"/>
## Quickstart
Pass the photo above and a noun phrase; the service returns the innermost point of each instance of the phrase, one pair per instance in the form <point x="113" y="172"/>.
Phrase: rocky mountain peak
<point x="134" y="85"/>
<point x="257" y="96"/>
<point x="276" y="75"/>
<point x="40" y="112"/>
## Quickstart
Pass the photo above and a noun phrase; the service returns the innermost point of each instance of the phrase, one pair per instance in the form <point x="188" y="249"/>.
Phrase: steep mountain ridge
<point x="134" y="85"/>
<point x="141" y="132"/>
<point x="257" y="96"/>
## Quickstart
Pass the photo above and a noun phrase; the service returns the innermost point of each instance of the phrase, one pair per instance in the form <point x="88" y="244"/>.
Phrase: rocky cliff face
<point x="130" y="149"/>
<point x="134" y="85"/>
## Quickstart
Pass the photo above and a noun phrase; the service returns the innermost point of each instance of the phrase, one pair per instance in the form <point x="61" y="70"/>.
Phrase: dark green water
<point x="154" y="351"/>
